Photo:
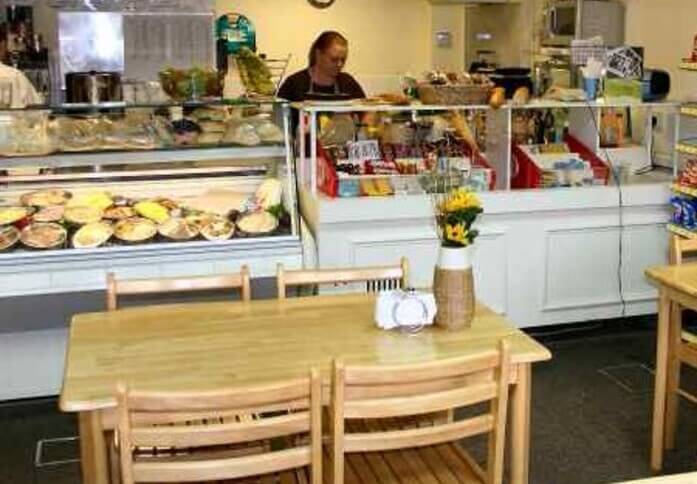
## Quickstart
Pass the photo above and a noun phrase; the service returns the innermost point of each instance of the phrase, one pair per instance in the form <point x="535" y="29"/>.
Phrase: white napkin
<point x="394" y="309"/>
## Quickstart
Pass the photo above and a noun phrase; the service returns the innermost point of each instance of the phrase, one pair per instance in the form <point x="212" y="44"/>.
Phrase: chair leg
<point x="673" y="380"/>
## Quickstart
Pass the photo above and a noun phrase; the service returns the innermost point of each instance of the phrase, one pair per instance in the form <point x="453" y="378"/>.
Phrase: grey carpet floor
<point x="590" y="421"/>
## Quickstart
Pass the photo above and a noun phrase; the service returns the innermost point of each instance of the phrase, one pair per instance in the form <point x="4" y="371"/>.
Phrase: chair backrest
<point x="405" y="391"/>
<point x="680" y="247"/>
<point x="375" y="278"/>
<point x="170" y="421"/>
<point x="116" y="288"/>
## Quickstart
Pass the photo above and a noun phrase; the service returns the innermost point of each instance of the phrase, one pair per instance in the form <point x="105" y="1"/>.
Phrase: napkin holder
<point x="404" y="309"/>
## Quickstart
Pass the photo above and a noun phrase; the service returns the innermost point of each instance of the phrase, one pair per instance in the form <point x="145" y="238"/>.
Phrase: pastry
<point x="8" y="237"/>
<point x="100" y="200"/>
<point x="83" y="215"/>
<point x="270" y="133"/>
<point x="218" y="229"/>
<point x="43" y="236"/>
<point x="135" y="230"/>
<point x="210" y="138"/>
<point x="258" y="223"/>
<point x="242" y="134"/>
<point x="168" y="203"/>
<point x="179" y="229"/>
<point x="212" y="126"/>
<point x="209" y="113"/>
<point x="53" y="213"/>
<point x="92" y="235"/>
<point x="201" y="219"/>
<point x="10" y="215"/>
<point x="45" y="198"/>
<point x="153" y="211"/>
<point x="119" y="213"/>
<point x="269" y="193"/>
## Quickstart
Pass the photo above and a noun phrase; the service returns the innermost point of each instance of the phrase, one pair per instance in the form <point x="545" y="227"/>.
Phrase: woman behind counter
<point x="323" y="80"/>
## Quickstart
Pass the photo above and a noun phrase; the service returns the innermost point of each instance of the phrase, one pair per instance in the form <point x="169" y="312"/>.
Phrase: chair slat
<point x="116" y="288"/>
<point x="385" y="375"/>
<point x="233" y="468"/>
<point x="220" y="434"/>
<point x="460" y="463"/>
<point x="397" y="439"/>
<point x="358" y="392"/>
<point x="242" y="398"/>
<point x="403" y="462"/>
<point x="420" y="404"/>
<point x="375" y="278"/>
<point x="688" y="354"/>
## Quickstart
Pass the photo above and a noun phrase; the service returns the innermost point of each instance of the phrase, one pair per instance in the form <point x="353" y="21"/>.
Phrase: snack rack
<point x="317" y="174"/>
<point x="528" y="174"/>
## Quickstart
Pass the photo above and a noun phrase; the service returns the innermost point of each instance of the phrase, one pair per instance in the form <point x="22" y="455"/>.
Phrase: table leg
<point x="93" y="457"/>
<point x="673" y="379"/>
<point x="659" y="397"/>
<point x="520" y="426"/>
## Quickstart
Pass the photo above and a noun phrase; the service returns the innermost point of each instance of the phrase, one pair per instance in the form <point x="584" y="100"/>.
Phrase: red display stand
<point x="527" y="174"/>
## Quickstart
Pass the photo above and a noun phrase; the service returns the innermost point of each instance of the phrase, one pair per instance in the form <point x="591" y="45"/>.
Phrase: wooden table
<point x="677" y="286"/>
<point x="690" y="478"/>
<point x="203" y="346"/>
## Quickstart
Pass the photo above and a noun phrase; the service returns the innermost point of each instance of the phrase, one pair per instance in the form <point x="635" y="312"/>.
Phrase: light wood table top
<point x="204" y="346"/>
<point x="690" y="478"/>
<point x="682" y="277"/>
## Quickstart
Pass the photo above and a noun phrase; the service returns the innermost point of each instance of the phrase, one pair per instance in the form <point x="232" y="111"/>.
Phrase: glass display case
<point x="187" y="189"/>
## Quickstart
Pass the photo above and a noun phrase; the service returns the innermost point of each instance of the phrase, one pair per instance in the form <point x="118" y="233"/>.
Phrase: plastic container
<point x="527" y="174"/>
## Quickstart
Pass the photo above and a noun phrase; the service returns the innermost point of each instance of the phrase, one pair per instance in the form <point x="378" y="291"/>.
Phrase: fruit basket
<point x="195" y="83"/>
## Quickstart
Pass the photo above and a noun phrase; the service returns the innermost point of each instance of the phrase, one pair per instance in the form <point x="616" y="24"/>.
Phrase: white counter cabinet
<point x="544" y="256"/>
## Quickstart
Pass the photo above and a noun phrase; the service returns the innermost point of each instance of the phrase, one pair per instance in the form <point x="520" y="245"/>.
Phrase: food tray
<point x="527" y="174"/>
<point x="454" y="94"/>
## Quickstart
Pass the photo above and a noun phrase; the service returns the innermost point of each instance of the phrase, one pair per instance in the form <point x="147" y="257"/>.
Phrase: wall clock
<point x="321" y="3"/>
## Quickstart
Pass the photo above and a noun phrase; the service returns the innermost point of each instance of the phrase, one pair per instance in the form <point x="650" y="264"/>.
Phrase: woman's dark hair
<point x="323" y="42"/>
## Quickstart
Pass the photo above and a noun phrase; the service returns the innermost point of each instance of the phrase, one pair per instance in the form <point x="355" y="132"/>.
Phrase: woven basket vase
<point x="453" y="287"/>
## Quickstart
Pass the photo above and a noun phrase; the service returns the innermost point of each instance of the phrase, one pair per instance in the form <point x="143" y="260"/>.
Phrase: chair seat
<point x="440" y="464"/>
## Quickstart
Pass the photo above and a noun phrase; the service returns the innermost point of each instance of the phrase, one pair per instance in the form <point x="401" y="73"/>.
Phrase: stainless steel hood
<point x="135" y="37"/>
<point x="136" y="6"/>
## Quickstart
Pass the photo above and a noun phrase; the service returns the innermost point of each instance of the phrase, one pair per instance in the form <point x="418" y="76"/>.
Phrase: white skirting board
<point x="544" y="256"/>
<point x="32" y="361"/>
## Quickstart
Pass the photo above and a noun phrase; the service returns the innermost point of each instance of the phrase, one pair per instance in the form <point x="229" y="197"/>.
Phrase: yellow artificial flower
<point x="460" y="199"/>
<point x="457" y="233"/>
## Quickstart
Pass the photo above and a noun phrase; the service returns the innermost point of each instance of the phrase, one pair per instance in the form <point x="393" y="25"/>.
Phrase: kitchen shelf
<point x="350" y="107"/>
<point x="683" y="190"/>
<point x="688" y="66"/>
<point x="687" y="147"/>
<point x="107" y="106"/>
<point x="689" y="110"/>
<point x="63" y="160"/>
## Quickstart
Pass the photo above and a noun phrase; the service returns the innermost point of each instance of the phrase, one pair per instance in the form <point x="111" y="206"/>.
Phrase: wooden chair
<point x="373" y="404"/>
<point x="117" y="288"/>
<point x="375" y="278"/>
<point x="164" y="420"/>
<point x="683" y="345"/>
